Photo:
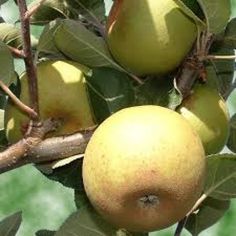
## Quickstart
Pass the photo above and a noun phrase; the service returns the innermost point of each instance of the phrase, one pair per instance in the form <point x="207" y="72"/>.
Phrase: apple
<point x="208" y="114"/>
<point x="149" y="36"/>
<point x="62" y="95"/>
<point x="144" y="168"/>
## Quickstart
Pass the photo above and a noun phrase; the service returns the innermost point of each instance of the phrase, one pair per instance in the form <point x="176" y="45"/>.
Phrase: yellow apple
<point x="62" y="94"/>
<point x="149" y="36"/>
<point x="144" y="168"/>
<point x="208" y="114"/>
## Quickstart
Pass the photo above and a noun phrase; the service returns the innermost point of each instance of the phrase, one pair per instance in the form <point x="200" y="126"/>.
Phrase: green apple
<point x="144" y="168"/>
<point x="149" y="36"/>
<point x="208" y="114"/>
<point x="62" y="94"/>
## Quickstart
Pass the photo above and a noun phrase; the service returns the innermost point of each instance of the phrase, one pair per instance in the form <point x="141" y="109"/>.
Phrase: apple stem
<point x="23" y="107"/>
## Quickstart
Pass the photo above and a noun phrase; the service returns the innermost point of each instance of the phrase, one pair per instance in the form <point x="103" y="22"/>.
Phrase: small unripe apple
<point x="149" y="36"/>
<point x="208" y="114"/>
<point x="144" y="168"/>
<point x="62" y="95"/>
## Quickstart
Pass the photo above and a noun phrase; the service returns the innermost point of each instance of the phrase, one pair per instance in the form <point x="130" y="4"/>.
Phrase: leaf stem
<point x="221" y="57"/>
<point x="197" y="204"/>
<point x="136" y="78"/>
<point x="183" y="222"/>
<point x="180" y="226"/>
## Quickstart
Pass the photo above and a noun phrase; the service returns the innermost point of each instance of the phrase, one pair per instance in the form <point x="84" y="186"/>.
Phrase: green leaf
<point x="194" y="6"/>
<point x="7" y="65"/>
<point x="2" y="20"/>
<point x="221" y="176"/>
<point x="68" y="173"/>
<point x="11" y="35"/>
<point x="109" y="91"/>
<point x="158" y="91"/>
<point x="46" y="43"/>
<point x="217" y="14"/>
<point x="231" y="144"/>
<point x="3" y="1"/>
<point x="15" y="86"/>
<point x="210" y="211"/>
<point x="91" y="10"/>
<point x="10" y="225"/>
<point x="84" y="46"/>
<point x="230" y="34"/>
<point x="49" y="10"/>
<point x="189" y="12"/>
<point x="49" y="167"/>
<point x="154" y="92"/>
<point x="45" y="232"/>
<point x="175" y="98"/>
<point x="86" y="222"/>
<point x="81" y="199"/>
<point x="221" y="72"/>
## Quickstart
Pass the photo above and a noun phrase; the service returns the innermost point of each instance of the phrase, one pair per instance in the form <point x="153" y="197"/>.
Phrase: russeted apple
<point x="149" y="36"/>
<point x="144" y="168"/>
<point x="62" y="95"/>
<point x="208" y="114"/>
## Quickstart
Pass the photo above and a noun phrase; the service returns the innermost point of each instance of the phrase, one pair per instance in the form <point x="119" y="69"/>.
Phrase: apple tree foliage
<point x="75" y="30"/>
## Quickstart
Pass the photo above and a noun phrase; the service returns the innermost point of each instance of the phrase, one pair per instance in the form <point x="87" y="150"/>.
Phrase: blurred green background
<point x="46" y="204"/>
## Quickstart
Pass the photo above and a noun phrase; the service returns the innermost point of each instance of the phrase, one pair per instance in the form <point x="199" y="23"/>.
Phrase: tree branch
<point x="188" y="74"/>
<point x="29" y="62"/>
<point x="33" y="150"/>
<point x="16" y="52"/>
<point x="57" y="148"/>
<point x="16" y="155"/>
<point x="33" y="9"/>
<point x="193" y="67"/>
<point x="17" y="101"/>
